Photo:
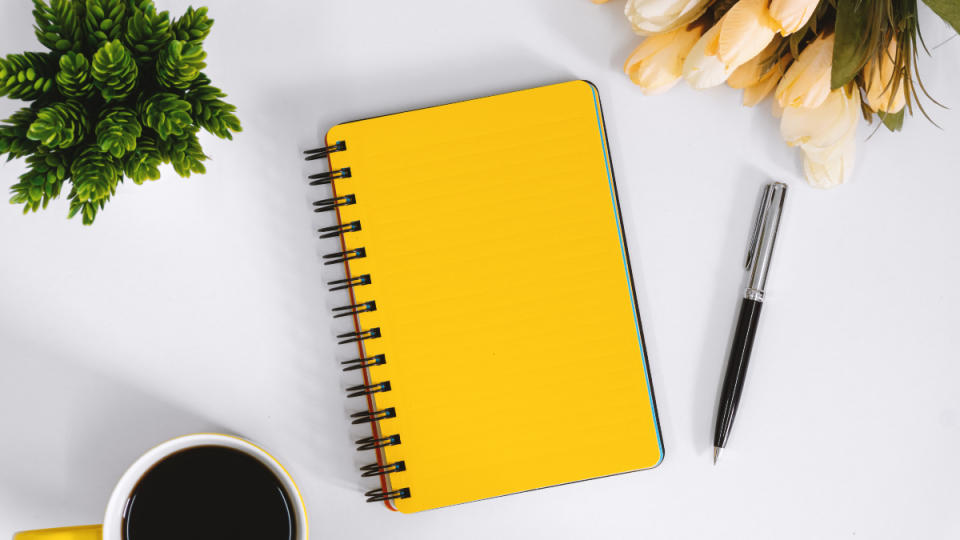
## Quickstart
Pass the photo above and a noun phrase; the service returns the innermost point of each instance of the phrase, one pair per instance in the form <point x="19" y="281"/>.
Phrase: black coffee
<point x="209" y="493"/>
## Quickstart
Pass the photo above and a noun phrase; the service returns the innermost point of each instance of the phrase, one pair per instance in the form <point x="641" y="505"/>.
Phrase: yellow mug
<point x="113" y="519"/>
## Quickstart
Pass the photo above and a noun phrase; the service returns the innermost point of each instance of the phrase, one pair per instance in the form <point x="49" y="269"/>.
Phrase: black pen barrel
<point x="736" y="369"/>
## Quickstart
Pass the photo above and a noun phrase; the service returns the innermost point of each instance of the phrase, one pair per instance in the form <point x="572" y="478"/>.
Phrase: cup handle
<point x="83" y="532"/>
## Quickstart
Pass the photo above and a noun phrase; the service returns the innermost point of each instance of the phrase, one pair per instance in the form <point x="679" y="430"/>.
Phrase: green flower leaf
<point x="184" y="153"/>
<point x="41" y="183"/>
<point x="59" y="125"/>
<point x="166" y="114"/>
<point x="179" y="64"/>
<point x="58" y="25"/>
<point x="114" y="71"/>
<point x="147" y="32"/>
<point x="850" y="47"/>
<point x="104" y="21"/>
<point x="194" y="26"/>
<point x="74" y="79"/>
<point x="95" y="175"/>
<point x="212" y="113"/>
<point x="25" y="76"/>
<point x="13" y="134"/>
<point x="144" y="162"/>
<point x="894" y="122"/>
<point x="117" y="131"/>
<point x="948" y="10"/>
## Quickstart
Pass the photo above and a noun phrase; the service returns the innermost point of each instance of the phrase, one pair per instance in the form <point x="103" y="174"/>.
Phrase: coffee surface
<point x="209" y="493"/>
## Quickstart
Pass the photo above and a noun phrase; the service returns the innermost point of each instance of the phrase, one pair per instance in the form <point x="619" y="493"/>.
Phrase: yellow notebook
<point x="495" y="316"/>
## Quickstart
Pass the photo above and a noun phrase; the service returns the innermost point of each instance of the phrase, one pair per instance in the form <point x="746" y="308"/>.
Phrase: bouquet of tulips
<point x="825" y="61"/>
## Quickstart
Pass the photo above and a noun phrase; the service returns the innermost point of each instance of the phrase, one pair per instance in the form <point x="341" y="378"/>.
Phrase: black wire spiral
<point x="359" y="336"/>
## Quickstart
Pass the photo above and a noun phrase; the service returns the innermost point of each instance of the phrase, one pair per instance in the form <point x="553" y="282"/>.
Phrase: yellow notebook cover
<point x="494" y="295"/>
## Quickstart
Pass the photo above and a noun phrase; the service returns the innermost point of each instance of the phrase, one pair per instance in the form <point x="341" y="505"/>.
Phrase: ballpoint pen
<point x="759" y="255"/>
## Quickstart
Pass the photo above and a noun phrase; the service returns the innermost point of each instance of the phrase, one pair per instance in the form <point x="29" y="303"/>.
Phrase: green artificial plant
<point x="120" y="92"/>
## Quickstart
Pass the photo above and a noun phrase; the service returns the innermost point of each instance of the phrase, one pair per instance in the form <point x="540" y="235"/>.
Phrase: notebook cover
<point x="504" y="296"/>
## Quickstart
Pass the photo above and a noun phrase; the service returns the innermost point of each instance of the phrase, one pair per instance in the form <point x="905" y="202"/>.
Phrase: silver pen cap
<point x="760" y="250"/>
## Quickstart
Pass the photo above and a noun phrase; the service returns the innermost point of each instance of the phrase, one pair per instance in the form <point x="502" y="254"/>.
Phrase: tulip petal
<point x="832" y="171"/>
<point x="751" y="72"/>
<point x="745" y="30"/>
<point x="807" y="82"/>
<point x="658" y="67"/>
<point x="655" y="16"/>
<point x="702" y="70"/>
<point x="881" y="79"/>
<point x="755" y="93"/>
<point x="792" y="15"/>
<point x="822" y="126"/>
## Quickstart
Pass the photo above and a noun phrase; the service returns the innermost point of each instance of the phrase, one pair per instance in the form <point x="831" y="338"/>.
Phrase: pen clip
<point x="755" y="236"/>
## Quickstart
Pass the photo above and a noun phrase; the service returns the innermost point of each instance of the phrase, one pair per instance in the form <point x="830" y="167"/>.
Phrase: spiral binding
<point x="322" y="179"/>
<point x="371" y="416"/>
<point x="381" y="495"/>
<point x="375" y="469"/>
<point x="320" y="153"/>
<point x="344" y="256"/>
<point x="354" y="309"/>
<point x="339" y="230"/>
<point x="360" y="363"/>
<point x="372" y="443"/>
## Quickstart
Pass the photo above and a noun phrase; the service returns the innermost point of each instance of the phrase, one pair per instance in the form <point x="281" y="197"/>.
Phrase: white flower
<point x="807" y="82"/>
<point x="657" y="63"/>
<point x="655" y="16"/>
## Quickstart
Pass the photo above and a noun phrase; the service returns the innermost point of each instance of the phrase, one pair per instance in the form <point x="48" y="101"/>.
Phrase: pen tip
<point x="716" y="454"/>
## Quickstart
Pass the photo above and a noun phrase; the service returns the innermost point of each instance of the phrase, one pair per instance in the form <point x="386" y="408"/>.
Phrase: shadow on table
<point x="69" y="434"/>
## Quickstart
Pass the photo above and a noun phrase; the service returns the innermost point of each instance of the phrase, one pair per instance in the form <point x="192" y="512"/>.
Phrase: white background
<point x="198" y="304"/>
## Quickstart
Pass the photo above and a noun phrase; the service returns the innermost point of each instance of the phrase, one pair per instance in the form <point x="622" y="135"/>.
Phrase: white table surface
<point x="198" y="304"/>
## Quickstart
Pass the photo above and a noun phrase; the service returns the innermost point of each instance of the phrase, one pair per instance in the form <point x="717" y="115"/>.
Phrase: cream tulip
<point x="824" y="126"/>
<point x="745" y="30"/>
<point x="792" y="15"/>
<point x="757" y="77"/>
<point x="742" y="33"/>
<point x="702" y="70"/>
<point x="807" y="82"/>
<point x="832" y="169"/>
<point x="826" y="134"/>
<point x="655" y="16"/>
<point x="657" y="63"/>
<point x="881" y="79"/>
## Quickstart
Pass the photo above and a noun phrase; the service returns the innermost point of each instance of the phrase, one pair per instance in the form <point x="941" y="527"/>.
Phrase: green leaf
<point x="114" y="71"/>
<point x="194" y="26"/>
<point x="894" y="122"/>
<point x="104" y="21"/>
<point x="26" y="76"/>
<point x="117" y="131"/>
<point x="179" y="64"/>
<point x="73" y="79"/>
<point x="166" y="114"/>
<point x="59" y="125"/>
<point x="948" y="10"/>
<point x="58" y="25"/>
<point x="850" y="47"/>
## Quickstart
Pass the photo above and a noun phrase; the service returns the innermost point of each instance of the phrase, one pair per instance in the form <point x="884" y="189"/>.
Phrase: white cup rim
<point x="113" y="518"/>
